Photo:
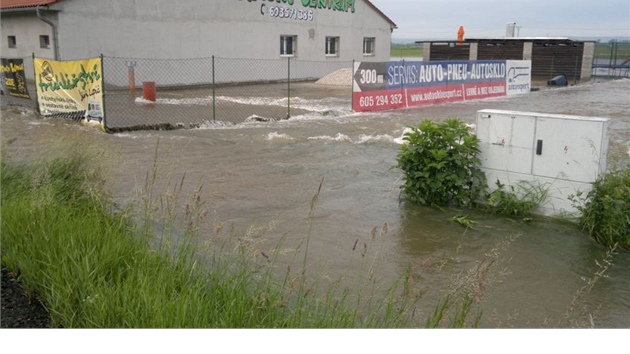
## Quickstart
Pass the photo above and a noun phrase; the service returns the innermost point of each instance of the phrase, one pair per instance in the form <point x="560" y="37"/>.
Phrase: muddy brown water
<point x="259" y="178"/>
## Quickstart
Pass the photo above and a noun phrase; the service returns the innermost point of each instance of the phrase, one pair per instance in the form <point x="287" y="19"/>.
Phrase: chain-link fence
<point x="612" y="59"/>
<point x="545" y="67"/>
<point x="214" y="90"/>
<point x="181" y="93"/>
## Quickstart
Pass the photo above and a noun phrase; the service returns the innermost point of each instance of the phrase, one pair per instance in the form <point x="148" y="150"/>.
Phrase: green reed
<point x="150" y="264"/>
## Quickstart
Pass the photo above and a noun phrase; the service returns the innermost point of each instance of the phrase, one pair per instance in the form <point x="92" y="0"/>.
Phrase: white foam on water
<point x="275" y="135"/>
<point x="361" y="139"/>
<point x="400" y="140"/>
<point x="340" y="138"/>
<point x="200" y="101"/>
<point x="366" y="139"/>
<point x="254" y="101"/>
<point x="330" y="104"/>
<point x="217" y="125"/>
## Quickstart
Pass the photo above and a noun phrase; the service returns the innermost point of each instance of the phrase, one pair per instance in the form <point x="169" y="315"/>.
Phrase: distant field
<point x="406" y="51"/>
<point x="605" y="51"/>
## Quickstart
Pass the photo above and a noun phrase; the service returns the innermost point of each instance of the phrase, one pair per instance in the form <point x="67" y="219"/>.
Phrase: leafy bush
<point x="606" y="209"/>
<point x="440" y="164"/>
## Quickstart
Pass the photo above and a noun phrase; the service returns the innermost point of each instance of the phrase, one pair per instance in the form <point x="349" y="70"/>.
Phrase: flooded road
<point x="259" y="178"/>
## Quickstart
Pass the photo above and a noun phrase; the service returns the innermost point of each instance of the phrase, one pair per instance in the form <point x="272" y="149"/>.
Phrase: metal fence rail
<point x="213" y="90"/>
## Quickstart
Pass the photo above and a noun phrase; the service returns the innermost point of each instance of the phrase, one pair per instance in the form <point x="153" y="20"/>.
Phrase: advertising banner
<point x="391" y="85"/>
<point x="13" y="78"/>
<point x="71" y="89"/>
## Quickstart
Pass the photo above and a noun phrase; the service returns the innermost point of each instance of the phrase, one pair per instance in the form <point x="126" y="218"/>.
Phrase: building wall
<point x="26" y="28"/>
<point x="223" y="28"/>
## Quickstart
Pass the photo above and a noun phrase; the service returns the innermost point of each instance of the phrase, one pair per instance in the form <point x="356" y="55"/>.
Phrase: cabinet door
<point x="570" y="149"/>
<point x="506" y="141"/>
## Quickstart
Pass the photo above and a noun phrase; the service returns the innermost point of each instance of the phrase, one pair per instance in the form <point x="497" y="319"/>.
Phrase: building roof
<point x="14" y="4"/>
<point x="381" y="13"/>
<point x="557" y="40"/>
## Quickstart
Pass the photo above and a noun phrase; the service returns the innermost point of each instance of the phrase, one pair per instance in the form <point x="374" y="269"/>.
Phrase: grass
<point x="605" y="51"/>
<point x="605" y="209"/>
<point x="406" y="51"/>
<point x="520" y="200"/>
<point x="143" y="266"/>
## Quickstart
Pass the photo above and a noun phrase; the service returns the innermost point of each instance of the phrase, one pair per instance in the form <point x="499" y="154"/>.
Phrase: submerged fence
<point x="213" y="90"/>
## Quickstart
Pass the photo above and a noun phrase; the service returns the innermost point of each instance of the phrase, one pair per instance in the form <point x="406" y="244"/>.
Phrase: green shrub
<point x="440" y="164"/>
<point x="606" y="209"/>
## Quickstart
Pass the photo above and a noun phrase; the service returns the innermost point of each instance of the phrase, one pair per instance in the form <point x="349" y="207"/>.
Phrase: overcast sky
<point x="440" y="19"/>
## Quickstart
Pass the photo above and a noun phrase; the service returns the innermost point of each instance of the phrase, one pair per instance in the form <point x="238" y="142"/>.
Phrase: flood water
<point x="261" y="177"/>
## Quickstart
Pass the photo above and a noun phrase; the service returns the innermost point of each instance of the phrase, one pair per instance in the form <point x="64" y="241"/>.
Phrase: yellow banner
<point x="73" y="88"/>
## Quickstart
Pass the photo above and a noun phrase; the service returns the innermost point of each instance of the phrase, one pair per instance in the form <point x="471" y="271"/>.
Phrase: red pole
<point x="132" y="80"/>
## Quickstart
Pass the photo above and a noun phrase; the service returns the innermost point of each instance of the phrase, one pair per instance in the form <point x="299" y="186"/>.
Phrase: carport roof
<point x="14" y="4"/>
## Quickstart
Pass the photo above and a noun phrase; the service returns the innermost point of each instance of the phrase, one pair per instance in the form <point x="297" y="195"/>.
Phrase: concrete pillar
<point x="528" y="48"/>
<point x="426" y="51"/>
<point x="587" y="61"/>
<point x="473" y="51"/>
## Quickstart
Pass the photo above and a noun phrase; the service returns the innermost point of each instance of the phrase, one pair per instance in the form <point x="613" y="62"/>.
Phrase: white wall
<point x="185" y="29"/>
<point x="223" y="28"/>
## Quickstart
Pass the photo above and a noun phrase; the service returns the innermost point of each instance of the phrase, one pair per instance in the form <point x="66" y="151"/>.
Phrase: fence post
<point x="214" y="117"/>
<point x="575" y="71"/>
<point x="352" y="86"/>
<point x="103" y="96"/>
<point x="288" y="87"/>
<point x="35" y="80"/>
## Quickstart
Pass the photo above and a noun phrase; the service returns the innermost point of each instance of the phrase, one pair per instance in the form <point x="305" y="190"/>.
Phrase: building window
<point x="332" y="46"/>
<point x="368" y="45"/>
<point x="44" y="42"/>
<point x="288" y="45"/>
<point x="12" y="41"/>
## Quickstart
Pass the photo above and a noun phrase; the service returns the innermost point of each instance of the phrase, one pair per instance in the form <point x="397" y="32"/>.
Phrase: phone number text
<point x="287" y="12"/>
<point x="381" y="100"/>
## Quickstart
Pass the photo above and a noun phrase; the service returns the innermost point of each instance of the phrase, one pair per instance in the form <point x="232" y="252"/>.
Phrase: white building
<point x="318" y="30"/>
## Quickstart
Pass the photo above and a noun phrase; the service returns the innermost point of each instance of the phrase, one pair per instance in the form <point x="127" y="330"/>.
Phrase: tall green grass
<point x="97" y="266"/>
<point x="605" y="209"/>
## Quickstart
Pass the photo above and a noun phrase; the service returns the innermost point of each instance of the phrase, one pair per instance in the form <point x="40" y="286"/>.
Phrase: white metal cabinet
<point x="561" y="153"/>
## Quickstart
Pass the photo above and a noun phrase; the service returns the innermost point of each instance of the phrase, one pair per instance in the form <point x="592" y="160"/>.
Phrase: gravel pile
<point x="341" y="77"/>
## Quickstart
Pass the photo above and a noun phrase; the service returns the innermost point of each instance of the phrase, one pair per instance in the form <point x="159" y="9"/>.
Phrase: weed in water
<point x="519" y="200"/>
<point x="577" y="314"/>
<point x="605" y="209"/>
